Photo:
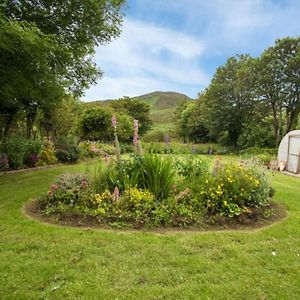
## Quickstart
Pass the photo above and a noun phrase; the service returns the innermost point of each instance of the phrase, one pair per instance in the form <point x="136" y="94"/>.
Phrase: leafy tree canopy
<point x="46" y="50"/>
<point x="95" y="124"/>
<point x="137" y="109"/>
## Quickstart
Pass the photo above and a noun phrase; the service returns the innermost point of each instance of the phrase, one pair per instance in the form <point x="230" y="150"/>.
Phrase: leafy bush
<point x="68" y="189"/>
<point x="257" y="151"/>
<point x="263" y="155"/>
<point x="150" y="172"/>
<point x="3" y="162"/>
<point x="190" y="166"/>
<point x="91" y="149"/>
<point x="180" y="148"/>
<point x="19" y="150"/>
<point x="154" y="136"/>
<point x="129" y="172"/>
<point x="32" y="160"/>
<point x="15" y="149"/>
<point x="104" y="177"/>
<point x="126" y="148"/>
<point x="67" y="149"/>
<point x="233" y="190"/>
<point x="138" y="205"/>
<point x="47" y="155"/>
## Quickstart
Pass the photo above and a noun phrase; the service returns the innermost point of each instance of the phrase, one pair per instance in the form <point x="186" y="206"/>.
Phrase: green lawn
<point x="41" y="261"/>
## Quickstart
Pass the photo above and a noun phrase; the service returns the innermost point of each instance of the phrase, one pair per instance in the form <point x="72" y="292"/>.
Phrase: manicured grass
<point x="41" y="261"/>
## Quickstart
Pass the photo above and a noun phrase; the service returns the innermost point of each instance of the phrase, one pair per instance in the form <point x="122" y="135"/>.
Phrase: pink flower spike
<point x="116" y="194"/>
<point x="114" y="121"/>
<point x="135" y="138"/>
<point x="84" y="184"/>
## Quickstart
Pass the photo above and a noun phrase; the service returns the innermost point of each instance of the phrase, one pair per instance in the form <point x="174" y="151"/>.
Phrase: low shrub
<point x="91" y="149"/>
<point x="3" y="162"/>
<point x="154" y="136"/>
<point x="190" y="166"/>
<point x="129" y="172"/>
<point x="233" y="190"/>
<point x="47" y="155"/>
<point x="21" y="151"/>
<point x="126" y="148"/>
<point x="151" y="172"/>
<point x="257" y="150"/>
<point x="104" y="177"/>
<point x="68" y="189"/>
<point x="138" y="205"/>
<point x="32" y="160"/>
<point x="180" y="148"/>
<point x="67" y="149"/>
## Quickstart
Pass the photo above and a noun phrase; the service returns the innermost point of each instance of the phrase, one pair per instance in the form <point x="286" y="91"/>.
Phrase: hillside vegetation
<point x="162" y="107"/>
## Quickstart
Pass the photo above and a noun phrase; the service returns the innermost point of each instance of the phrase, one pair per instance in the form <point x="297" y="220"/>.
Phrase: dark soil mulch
<point x="258" y="218"/>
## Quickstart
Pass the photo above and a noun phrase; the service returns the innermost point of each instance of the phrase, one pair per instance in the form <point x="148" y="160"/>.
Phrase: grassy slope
<point x="162" y="107"/>
<point x="44" y="261"/>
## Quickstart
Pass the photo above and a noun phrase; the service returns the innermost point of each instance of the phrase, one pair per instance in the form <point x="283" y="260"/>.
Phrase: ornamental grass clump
<point x="158" y="175"/>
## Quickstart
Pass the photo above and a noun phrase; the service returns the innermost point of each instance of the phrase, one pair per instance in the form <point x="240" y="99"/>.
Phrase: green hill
<point x="162" y="107"/>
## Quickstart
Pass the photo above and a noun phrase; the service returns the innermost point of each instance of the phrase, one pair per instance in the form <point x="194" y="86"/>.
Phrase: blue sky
<point x="177" y="45"/>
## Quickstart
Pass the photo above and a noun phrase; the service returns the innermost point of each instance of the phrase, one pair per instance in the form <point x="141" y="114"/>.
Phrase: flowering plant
<point x="234" y="189"/>
<point x="70" y="189"/>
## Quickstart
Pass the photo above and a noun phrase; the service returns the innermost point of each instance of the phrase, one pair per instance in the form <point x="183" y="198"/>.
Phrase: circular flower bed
<point x="156" y="191"/>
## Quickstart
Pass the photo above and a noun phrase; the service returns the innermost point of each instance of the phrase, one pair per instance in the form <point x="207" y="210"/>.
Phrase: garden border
<point x="29" y="210"/>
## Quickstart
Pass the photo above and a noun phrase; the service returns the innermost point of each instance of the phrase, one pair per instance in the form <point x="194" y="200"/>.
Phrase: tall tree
<point x="77" y="26"/>
<point x="228" y="100"/>
<point x="190" y="122"/>
<point x="95" y="123"/>
<point x="26" y="80"/>
<point x="137" y="109"/>
<point x="46" y="49"/>
<point x="277" y="73"/>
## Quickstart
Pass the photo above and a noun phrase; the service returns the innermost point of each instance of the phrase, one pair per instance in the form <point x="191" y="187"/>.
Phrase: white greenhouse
<point x="289" y="152"/>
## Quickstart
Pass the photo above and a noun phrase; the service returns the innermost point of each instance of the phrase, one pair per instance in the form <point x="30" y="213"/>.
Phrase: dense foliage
<point x="154" y="191"/>
<point x="249" y="102"/>
<point x="46" y="63"/>
<point x="95" y="124"/>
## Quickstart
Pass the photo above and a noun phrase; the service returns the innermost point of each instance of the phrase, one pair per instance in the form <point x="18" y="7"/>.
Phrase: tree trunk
<point x="275" y="124"/>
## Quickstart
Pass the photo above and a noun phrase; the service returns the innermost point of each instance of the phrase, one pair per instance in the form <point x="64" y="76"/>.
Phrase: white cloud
<point x="151" y="56"/>
<point x="146" y="58"/>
